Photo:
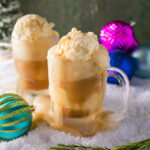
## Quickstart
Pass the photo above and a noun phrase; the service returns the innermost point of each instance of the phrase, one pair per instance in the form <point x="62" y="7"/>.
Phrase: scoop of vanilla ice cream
<point x="32" y="27"/>
<point x="78" y="46"/>
<point x="32" y="37"/>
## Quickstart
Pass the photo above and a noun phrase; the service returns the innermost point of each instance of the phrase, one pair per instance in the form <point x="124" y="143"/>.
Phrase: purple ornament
<point x="118" y="35"/>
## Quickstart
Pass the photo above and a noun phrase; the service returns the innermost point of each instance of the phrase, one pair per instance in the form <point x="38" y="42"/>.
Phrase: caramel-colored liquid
<point x="78" y="93"/>
<point x="33" y="75"/>
<point x="75" y="87"/>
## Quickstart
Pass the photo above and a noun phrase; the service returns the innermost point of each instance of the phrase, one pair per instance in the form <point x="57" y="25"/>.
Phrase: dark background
<point x="92" y="15"/>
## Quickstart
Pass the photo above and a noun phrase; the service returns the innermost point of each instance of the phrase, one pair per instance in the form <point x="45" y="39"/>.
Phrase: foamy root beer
<point x="31" y="38"/>
<point x="77" y="70"/>
<point x="32" y="74"/>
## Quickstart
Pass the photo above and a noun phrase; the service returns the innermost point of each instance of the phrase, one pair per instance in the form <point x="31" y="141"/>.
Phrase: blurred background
<point x="92" y="15"/>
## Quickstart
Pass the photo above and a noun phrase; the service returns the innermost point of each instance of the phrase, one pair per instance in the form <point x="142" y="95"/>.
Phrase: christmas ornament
<point x="118" y="35"/>
<point x="124" y="62"/>
<point x="15" y="116"/>
<point x="142" y="53"/>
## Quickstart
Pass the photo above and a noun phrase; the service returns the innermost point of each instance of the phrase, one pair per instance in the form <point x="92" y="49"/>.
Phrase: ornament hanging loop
<point x="32" y="108"/>
<point x="132" y="23"/>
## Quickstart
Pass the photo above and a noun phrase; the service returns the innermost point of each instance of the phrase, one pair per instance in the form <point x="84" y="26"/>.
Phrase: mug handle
<point x="124" y="83"/>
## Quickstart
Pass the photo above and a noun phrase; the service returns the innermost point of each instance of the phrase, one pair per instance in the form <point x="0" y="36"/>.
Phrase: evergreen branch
<point x="76" y="147"/>
<point x="134" y="146"/>
<point x="9" y="13"/>
<point x="141" y="145"/>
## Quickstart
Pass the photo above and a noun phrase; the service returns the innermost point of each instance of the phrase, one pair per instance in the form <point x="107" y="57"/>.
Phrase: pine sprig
<point x="76" y="147"/>
<point x="134" y="146"/>
<point x="141" y="145"/>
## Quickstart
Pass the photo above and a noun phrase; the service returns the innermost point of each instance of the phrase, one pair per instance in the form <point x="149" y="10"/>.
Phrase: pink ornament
<point x="118" y="35"/>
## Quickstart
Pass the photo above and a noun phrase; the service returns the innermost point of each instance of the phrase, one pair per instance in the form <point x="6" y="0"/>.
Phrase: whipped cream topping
<point x="32" y="27"/>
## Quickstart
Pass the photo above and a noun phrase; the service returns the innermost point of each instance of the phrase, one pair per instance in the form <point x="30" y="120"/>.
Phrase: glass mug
<point x="31" y="70"/>
<point x="76" y="106"/>
<point x="30" y="61"/>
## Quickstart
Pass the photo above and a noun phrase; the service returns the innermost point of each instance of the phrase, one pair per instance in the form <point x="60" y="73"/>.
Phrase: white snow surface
<point x="135" y="126"/>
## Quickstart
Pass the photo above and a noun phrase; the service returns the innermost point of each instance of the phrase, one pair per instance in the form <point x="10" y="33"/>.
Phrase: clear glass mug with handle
<point x="76" y="106"/>
<point x="103" y="120"/>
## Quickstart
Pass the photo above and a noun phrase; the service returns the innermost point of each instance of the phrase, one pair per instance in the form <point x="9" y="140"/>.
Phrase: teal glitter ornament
<point x="15" y="116"/>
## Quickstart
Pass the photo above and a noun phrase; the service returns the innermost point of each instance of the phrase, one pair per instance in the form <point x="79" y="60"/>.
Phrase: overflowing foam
<point x="82" y="49"/>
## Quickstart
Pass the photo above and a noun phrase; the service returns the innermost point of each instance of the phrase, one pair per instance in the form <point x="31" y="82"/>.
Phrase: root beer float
<point x="78" y="69"/>
<point x="31" y="38"/>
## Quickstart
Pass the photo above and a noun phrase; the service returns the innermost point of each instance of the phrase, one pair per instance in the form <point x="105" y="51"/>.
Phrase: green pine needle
<point x="76" y="147"/>
<point x="141" y="145"/>
<point x="9" y="12"/>
<point x="134" y="146"/>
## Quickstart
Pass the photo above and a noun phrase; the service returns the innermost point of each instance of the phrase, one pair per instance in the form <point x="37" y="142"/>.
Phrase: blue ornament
<point x="123" y="61"/>
<point x="142" y="53"/>
<point x="15" y="116"/>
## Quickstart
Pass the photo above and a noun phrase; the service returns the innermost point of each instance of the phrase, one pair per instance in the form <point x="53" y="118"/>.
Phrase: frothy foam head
<point x="77" y="45"/>
<point x="32" y="27"/>
<point x="82" y="50"/>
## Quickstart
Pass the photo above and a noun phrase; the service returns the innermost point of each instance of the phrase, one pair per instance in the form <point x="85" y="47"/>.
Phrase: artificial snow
<point x="135" y="126"/>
